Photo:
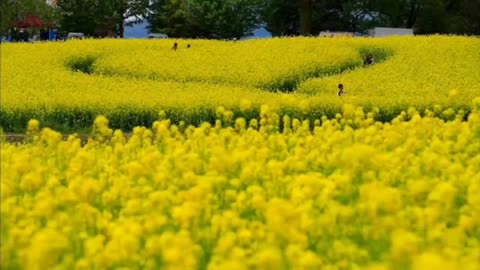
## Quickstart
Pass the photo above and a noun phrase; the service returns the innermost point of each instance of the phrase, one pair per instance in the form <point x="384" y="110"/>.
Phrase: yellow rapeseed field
<point x="130" y="81"/>
<point x="270" y="193"/>
<point x="240" y="155"/>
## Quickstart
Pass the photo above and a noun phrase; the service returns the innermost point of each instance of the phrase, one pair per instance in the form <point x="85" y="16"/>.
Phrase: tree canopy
<point x="99" y="17"/>
<point x="238" y="18"/>
<point x="206" y="19"/>
<point x="12" y="11"/>
<point x="284" y="17"/>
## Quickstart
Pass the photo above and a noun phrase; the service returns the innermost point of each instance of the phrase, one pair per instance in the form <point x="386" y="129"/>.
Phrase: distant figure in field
<point x="340" y="92"/>
<point x="188" y="46"/>
<point x="369" y="61"/>
<point x="175" y="46"/>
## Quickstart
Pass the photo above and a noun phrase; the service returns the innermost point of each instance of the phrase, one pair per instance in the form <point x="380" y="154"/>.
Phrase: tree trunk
<point x="306" y="14"/>
<point x="121" y="28"/>
<point x="413" y="12"/>
<point x="122" y="15"/>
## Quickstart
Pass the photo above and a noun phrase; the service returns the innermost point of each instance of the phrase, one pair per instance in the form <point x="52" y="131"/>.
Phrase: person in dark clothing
<point x="341" y="91"/>
<point x="44" y="34"/>
<point x="175" y="46"/>
<point x="188" y="46"/>
<point x="23" y="35"/>
<point x="369" y="60"/>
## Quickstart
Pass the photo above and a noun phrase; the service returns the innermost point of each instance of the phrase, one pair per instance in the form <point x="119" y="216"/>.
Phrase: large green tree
<point x="12" y="11"/>
<point x="206" y="19"/>
<point x="281" y="17"/>
<point x="343" y="15"/>
<point x="100" y="17"/>
<point x="225" y="18"/>
<point x="431" y="16"/>
<point x="397" y="13"/>
<point x="286" y="17"/>
<point x="470" y="14"/>
<point x="173" y="18"/>
<point x="78" y="16"/>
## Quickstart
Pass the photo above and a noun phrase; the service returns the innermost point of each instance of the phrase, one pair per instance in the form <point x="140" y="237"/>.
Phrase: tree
<point x="281" y="17"/>
<point x="225" y="19"/>
<point x="441" y="16"/>
<point x="172" y="18"/>
<point x="12" y="11"/>
<point x="285" y="17"/>
<point x="100" y="17"/>
<point x="463" y="16"/>
<point x="207" y="19"/>
<point x="356" y="15"/>
<point x="432" y="18"/>
<point x="306" y="16"/>
<point x="78" y="16"/>
<point x="124" y="9"/>
<point x="470" y="10"/>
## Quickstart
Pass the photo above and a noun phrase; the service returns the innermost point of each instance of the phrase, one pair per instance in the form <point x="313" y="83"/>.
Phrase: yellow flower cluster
<point x="270" y="193"/>
<point x="269" y="64"/>
<point x="129" y="81"/>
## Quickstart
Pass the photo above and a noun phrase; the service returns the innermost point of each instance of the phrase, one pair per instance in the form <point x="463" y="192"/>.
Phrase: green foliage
<point x="99" y="17"/>
<point x="82" y="64"/>
<point x="172" y="18"/>
<point x="78" y="16"/>
<point x="15" y="10"/>
<point x="281" y="17"/>
<point x="206" y="19"/>
<point x="225" y="19"/>
<point x="284" y="17"/>
<point x="455" y="17"/>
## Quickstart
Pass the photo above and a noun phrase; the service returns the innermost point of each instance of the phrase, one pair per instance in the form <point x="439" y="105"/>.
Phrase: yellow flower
<point x="33" y="127"/>
<point x="269" y="258"/>
<point x="404" y="246"/>
<point x="432" y="261"/>
<point x="41" y="256"/>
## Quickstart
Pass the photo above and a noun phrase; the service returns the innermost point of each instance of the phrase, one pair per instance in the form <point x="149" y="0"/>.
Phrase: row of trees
<point x="176" y="18"/>
<point x="425" y="16"/>
<point x="237" y="18"/>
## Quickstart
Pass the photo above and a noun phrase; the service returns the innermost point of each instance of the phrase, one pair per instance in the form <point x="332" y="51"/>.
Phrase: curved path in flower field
<point x="101" y="64"/>
<point x="130" y="81"/>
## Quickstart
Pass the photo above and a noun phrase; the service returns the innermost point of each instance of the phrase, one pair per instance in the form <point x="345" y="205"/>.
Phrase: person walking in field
<point x="188" y="46"/>
<point x="341" y="91"/>
<point x="175" y="46"/>
<point x="368" y="61"/>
